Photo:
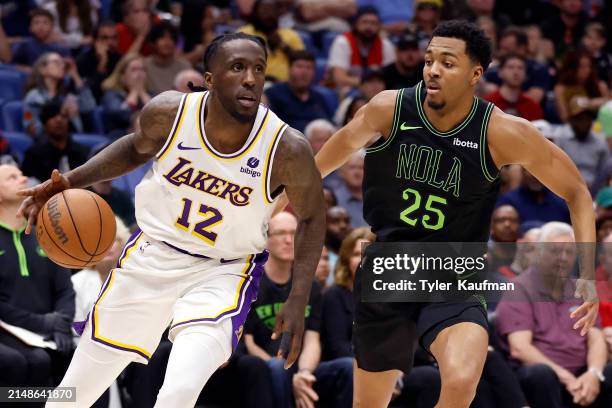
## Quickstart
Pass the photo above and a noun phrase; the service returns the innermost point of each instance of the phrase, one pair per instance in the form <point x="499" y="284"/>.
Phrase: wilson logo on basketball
<point x="54" y="216"/>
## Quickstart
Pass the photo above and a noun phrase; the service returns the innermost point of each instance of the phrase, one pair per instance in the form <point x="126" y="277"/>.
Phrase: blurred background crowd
<point x="74" y="75"/>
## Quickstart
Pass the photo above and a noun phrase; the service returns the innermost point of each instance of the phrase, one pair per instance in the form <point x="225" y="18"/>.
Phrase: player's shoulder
<point x="378" y="113"/>
<point x="165" y="103"/>
<point x="503" y="126"/>
<point x="293" y="143"/>
<point x="383" y="100"/>
<point x="161" y="110"/>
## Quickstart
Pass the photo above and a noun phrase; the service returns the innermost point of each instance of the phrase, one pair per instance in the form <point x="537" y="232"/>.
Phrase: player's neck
<point x="278" y="271"/>
<point x="223" y="131"/>
<point x="7" y="216"/>
<point x="450" y="116"/>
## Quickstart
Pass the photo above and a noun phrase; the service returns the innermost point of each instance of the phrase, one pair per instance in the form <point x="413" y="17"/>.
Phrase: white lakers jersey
<point x="205" y="202"/>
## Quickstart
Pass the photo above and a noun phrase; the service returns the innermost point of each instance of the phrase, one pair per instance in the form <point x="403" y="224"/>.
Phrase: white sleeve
<point x="388" y="52"/>
<point x="340" y="53"/>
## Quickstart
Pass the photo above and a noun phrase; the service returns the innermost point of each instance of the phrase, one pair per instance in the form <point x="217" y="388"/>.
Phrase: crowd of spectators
<point x="74" y="75"/>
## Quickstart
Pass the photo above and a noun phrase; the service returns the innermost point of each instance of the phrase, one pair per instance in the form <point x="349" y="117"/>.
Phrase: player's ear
<point x="208" y="81"/>
<point x="477" y="73"/>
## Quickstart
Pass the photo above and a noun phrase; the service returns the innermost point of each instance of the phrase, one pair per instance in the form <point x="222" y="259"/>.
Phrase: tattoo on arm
<point x="294" y="168"/>
<point x="134" y="149"/>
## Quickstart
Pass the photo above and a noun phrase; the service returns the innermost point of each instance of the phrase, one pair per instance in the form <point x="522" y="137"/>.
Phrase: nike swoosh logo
<point x="181" y="147"/>
<point x="222" y="260"/>
<point x="405" y="127"/>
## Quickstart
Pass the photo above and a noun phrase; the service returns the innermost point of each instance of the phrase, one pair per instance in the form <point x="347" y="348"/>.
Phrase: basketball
<point x="76" y="228"/>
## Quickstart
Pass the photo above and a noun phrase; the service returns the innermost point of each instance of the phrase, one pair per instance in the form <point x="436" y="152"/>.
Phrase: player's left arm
<point x="514" y="140"/>
<point x="294" y="168"/>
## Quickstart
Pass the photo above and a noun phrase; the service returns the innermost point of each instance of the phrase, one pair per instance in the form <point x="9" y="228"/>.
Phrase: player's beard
<point x="435" y="105"/>
<point x="243" y="118"/>
<point x="240" y="117"/>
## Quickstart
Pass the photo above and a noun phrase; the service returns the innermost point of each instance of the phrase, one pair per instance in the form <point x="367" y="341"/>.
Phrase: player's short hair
<point x="512" y="55"/>
<point x="477" y="45"/>
<point x="213" y="47"/>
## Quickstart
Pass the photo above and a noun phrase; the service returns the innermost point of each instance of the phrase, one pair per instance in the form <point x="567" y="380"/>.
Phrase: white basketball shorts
<point x="156" y="285"/>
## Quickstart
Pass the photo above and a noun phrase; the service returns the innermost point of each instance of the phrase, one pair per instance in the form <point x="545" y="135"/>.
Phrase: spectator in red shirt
<point x="136" y="24"/>
<point x="510" y="97"/>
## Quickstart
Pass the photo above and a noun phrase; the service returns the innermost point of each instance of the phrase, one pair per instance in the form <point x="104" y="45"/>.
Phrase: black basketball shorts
<point x="385" y="335"/>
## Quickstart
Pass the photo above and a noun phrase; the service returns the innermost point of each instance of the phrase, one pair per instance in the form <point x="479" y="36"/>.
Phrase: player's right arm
<point x="120" y="157"/>
<point x="373" y="119"/>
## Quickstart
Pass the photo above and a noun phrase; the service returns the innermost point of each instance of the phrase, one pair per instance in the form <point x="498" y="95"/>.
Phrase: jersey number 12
<point x="211" y="217"/>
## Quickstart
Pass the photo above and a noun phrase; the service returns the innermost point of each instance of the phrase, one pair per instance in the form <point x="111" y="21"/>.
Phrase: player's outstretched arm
<point x="294" y="168"/>
<point x="120" y="157"/>
<point x="513" y="140"/>
<point x="371" y="120"/>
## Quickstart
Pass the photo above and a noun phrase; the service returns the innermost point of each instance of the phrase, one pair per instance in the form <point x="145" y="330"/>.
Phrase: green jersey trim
<point x="396" y="117"/>
<point x="431" y="128"/>
<point x="483" y="144"/>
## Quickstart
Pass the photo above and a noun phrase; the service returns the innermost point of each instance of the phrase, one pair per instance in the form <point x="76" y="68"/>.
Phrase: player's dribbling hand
<point x="585" y="289"/>
<point x="290" y="322"/>
<point x="38" y="195"/>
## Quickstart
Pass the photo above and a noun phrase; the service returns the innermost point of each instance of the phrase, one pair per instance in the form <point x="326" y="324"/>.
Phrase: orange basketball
<point x="75" y="228"/>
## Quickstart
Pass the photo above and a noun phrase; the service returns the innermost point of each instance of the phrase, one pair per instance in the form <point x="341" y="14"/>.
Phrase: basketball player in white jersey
<point x="220" y="161"/>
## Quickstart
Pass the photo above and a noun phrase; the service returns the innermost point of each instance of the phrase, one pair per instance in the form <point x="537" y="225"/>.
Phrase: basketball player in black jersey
<point x="457" y="143"/>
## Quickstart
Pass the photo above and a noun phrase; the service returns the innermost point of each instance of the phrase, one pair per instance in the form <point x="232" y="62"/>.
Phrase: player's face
<point x="237" y="78"/>
<point x="449" y="73"/>
<point x="11" y="181"/>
